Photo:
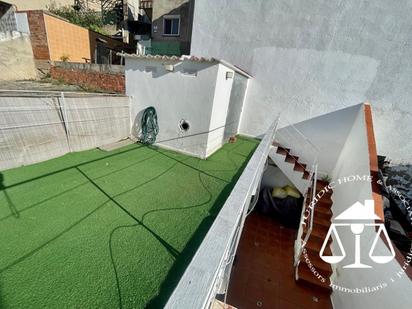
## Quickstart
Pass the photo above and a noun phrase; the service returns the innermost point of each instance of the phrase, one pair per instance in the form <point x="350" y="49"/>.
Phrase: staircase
<point x="303" y="178"/>
<point x="290" y="165"/>
<point x="322" y="217"/>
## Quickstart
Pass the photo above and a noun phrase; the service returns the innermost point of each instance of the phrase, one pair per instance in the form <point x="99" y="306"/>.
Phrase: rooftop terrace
<point x="109" y="229"/>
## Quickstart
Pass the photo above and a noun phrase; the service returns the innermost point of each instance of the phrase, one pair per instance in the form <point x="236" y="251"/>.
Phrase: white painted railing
<point x="310" y="201"/>
<point x="289" y="136"/>
<point x="210" y="267"/>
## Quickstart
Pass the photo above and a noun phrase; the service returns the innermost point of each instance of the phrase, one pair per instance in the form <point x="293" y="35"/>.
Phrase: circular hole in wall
<point x="184" y="125"/>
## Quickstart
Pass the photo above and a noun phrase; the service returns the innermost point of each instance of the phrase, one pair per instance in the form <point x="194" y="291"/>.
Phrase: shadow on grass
<point x="165" y="244"/>
<point x="13" y="210"/>
<point x="2" y="188"/>
<point x="183" y="259"/>
<point x="2" y="302"/>
<point x="73" y="166"/>
<point x="110" y="198"/>
<point x="142" y="220"/>
<point x="22" y="258"/>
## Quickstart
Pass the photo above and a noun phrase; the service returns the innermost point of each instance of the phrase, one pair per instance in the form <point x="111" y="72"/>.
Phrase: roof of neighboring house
<point x="186" y="58"/>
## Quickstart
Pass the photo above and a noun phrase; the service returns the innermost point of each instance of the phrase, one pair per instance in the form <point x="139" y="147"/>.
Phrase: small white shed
<point x="198" y="101"/>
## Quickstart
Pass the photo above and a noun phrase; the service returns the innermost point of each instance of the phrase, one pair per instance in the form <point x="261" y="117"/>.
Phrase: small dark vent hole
<point x="184" y="125"/>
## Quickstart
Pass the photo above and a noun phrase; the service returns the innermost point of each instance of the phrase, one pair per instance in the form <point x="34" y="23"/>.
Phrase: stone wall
<point x="16" y="57"/>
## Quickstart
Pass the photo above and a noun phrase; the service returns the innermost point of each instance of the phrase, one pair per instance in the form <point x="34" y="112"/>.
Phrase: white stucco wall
<point x="175" y="96"/>
<point x="354" y="160"/>
<point x="22" y="23"/>
<point x="328" y="132"/>
<point x="197" y="92"/>
<point x="16" y="57"/>
<point x="313" y="57"/>
<point x="220" y="110"/>
<point x="237" y="99"/>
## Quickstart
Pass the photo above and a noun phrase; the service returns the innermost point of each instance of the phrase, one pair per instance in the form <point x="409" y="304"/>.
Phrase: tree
<point x="86" y="18"/>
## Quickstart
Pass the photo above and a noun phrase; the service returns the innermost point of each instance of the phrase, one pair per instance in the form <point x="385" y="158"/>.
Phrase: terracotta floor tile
<point x="263" y="272"/>
<point x="287" y="305"/>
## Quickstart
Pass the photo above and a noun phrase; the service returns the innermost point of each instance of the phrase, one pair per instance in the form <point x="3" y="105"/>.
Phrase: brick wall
<point x="89" y="76"/>
<point x="38" y="35"/>
<point x="53" y="37"/>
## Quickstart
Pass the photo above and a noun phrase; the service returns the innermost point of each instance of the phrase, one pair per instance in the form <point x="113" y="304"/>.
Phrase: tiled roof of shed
<point x="185" y="58"/>
<point x="169" y="58"/>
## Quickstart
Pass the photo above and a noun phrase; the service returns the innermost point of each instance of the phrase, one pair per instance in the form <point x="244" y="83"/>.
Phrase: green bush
<point x="89" y="19"/>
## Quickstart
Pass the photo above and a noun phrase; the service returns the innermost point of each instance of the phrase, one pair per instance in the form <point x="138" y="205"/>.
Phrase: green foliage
<point x="89" y="19"/>
<point x="64" y="58"/>
<point x="326" y="178"/>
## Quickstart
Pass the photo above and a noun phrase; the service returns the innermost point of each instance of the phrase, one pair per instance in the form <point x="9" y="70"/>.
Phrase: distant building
<point x="16" y="56"/>
<point x="115" y="13"/>
<point x="55" y="39"/>
<point x="38" y="4"/>
<point x="171" y="26"/>
<point x="7" y="17"/>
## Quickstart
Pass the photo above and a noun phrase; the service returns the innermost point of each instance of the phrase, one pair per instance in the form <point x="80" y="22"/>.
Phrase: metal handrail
<point x="213" y="259"/>
<point x="303" y="135"/>
<point x="291" y="135"/>
<point x="302" y="244"/>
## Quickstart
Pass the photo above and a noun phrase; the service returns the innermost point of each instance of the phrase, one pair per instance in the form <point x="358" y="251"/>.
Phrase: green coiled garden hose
<point x="150" y="127"/>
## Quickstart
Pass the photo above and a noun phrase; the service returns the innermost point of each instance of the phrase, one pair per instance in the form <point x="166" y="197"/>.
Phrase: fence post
<point x="63" y="111"/>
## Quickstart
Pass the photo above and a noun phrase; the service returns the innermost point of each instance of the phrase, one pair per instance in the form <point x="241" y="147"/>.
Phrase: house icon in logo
<point x="357" y="217"/>
<point x="359" y="212"/>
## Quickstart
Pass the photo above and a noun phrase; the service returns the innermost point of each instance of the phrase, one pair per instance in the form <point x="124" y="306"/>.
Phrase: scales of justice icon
<point x="357" y="214"/>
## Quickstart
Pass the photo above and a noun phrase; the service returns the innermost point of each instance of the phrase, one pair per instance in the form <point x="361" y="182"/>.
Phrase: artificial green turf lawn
<point x="113" y="229"/>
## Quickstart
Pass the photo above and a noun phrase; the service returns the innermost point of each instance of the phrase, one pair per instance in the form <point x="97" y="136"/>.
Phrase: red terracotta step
<point x="326" y="195"/>
<point x="300" y="167"/>
<point x="306" y="175"/>
<point x="314" y="256"/>
<point x="317" y="230"/>
<point x="323" y="202"/>
<point x="322" y="185"/>
<point x="318" y="220"/>
<point x="314" y="244"/>
<point x="322" y="205"/>
<point x="318" y="238"/>
<point x="291" y="159"/>
<point x="323" y="213"/>
<point x="305" y="276"/>
<point x="322" y="220"/>
<point x="282" y="151"/>
<point x="321" y="266"/>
